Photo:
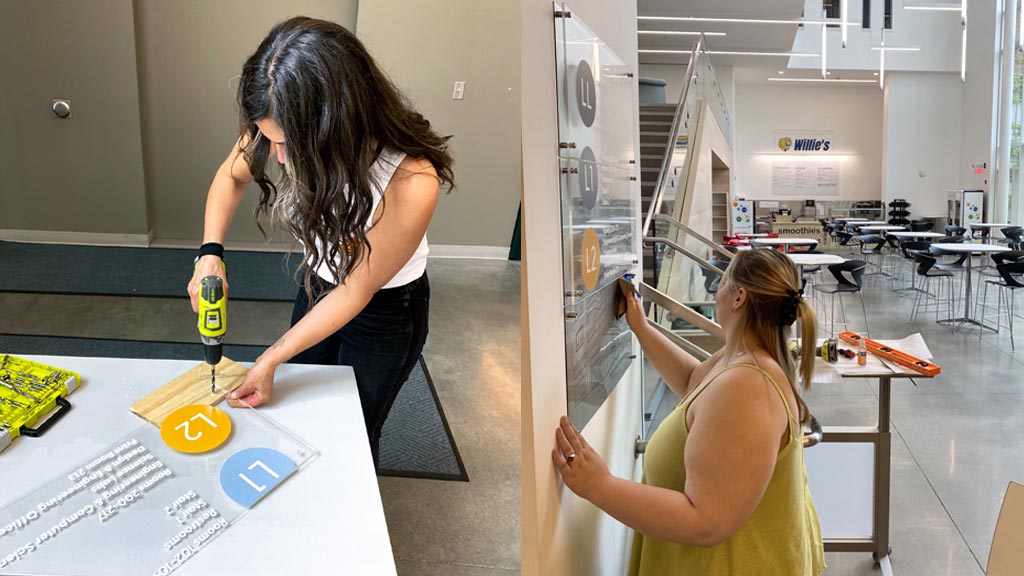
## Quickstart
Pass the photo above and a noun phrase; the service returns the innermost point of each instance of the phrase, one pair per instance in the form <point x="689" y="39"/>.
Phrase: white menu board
<point x="803" y="176"/>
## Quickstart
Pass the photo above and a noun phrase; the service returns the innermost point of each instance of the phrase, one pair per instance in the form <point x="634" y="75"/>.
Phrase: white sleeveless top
<point x="381" y="172"/>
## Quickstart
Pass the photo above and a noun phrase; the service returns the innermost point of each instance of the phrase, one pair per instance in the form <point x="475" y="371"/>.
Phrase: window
<point x="866" y="19"/>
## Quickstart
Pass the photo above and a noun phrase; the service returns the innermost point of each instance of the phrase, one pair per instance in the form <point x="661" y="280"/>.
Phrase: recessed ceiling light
<point x="828" y="73"/>
<point x="876" y="73"/>
<point x="781" y="72"/>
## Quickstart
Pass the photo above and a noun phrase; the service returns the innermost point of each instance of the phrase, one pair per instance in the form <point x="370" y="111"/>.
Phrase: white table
<point x="325" y="519"/>
<point x="844" y="220"/>
<point x="869" y="223"/>
<point x="916" y="234"/>
<point x="882" y="228"/>
<point x="970" y="249"/>
<point x="751" y="235"/>
<point x="784" y="242"/>
<point x="825" y="470"/>
<point x="801" y="259"/>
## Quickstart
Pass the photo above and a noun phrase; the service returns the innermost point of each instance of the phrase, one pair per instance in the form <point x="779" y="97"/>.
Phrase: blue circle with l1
<point x="251" y="474"/>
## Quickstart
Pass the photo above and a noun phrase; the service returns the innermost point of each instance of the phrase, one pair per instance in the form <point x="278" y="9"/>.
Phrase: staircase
<point x="655" y="130"/>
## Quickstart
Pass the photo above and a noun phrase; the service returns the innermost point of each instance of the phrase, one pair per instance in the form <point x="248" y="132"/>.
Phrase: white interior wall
<point x="562" y="534"/>
<point x="922" y="137"/>
<point x="853" y="113"/>
<point x="978" y="131"/>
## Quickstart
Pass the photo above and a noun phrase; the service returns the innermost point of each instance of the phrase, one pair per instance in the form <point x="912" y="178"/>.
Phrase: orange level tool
<point x="902" y="358"/>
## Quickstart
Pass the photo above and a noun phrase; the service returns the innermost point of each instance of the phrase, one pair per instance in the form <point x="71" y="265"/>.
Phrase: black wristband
<point x="211" y="248"/>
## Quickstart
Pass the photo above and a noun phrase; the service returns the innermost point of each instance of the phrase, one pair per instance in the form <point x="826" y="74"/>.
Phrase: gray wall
<point x="426" y="47"/>
<point x="190" y="56"/>
<point x="84" y="174"/>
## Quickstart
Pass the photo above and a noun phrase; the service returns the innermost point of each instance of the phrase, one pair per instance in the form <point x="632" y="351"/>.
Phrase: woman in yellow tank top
<point x="724" y="489"/>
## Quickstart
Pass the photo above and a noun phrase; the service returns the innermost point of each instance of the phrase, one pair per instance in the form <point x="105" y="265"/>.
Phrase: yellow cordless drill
<point x="213" y="322"/>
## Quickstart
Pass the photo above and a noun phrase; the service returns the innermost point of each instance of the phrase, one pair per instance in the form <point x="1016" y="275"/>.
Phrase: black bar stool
<point x="849" y="277"/>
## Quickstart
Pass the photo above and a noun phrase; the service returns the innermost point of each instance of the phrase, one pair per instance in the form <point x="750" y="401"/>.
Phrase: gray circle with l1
<point x="589" y="180"/>
<point x="586" y="93"/>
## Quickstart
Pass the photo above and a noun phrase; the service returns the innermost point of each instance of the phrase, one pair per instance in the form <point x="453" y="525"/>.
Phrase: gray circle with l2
<point x="589" y="180"/>
<point x="586" y="93"/>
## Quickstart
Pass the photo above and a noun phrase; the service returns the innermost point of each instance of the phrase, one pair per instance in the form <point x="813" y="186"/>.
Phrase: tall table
<point x="882" y="228"/>
<point x="821" y="474"/>
<point x="912" y="234"/>
<point x="970" y="250"/>
<point x="326" y="519"/>
<point x="786" y="243"/>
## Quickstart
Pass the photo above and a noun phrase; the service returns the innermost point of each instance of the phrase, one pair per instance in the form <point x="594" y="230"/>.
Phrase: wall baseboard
<point x="148" y="241"/>
<point x="457" y="251"/>
<point x="83" y="238"/>
<point x="244" y="246"/>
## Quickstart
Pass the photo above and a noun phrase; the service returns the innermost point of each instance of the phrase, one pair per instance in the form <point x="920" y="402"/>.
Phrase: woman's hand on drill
<point x="256" y="389"/>
<point x="209" y="265"/>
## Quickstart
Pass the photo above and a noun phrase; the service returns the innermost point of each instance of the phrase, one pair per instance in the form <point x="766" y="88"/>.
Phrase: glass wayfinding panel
<point x="141" y="507"/>
<point x="597" y="117"/>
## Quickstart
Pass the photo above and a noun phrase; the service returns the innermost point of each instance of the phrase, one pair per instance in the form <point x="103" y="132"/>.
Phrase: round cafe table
<point x="970" y="249"/>
<point x="785" y="243"/>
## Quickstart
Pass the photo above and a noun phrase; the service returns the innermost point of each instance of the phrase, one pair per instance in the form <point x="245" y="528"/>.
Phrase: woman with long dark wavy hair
<point x="360" y="174"/>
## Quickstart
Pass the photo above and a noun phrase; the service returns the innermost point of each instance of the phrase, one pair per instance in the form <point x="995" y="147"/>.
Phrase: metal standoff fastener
<point x="567" y="145"/>
<point x="62" y="108"/>
<point x="570" y="170"/>
<point x="570" y="315"/>
<point x="639" y="447"/>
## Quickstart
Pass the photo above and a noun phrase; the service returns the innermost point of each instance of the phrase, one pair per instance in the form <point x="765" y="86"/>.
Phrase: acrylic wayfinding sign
<point x="145" y="505"/>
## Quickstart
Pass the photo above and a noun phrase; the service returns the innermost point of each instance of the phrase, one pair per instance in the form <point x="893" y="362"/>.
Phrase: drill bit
<point x="213" y="379"/>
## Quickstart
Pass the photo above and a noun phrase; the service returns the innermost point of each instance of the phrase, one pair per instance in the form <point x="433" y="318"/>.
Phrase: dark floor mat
<point x="416" y="441"/>
<point x="67" y="269"/>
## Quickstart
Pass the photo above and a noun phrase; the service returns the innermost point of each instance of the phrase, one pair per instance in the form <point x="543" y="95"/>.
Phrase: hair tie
<point x="790" y="307"/>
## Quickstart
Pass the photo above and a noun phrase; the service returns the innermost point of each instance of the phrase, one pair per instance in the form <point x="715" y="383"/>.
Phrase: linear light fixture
<point x="897" y="48"/>
<point x="933" y="6"/>
<point x="829" y="80"/>
<point x="824" y="48"/>
<point x="727" y="53"/>
<point x="675" y="33"/>
<point x="963" y="41"/>
<point x="742" y="20"/>
<point x="843" y="6"/>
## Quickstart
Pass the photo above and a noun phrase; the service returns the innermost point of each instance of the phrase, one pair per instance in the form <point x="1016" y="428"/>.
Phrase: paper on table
<point x="913" y="345"/>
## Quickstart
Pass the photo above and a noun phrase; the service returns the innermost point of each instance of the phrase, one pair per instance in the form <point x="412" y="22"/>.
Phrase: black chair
<point x="849" y="277"/>
<point x="992" y="272"/>
<point x="955" y="230"/>
<point x="1012" y="237"/>
<point x="980" y="232"/>
<point x="921" y="225"/>
<point x="926" y="271"/>
<point x="907" y="249"/>
<point x="1012" y="278"/>
<point x="711" y="280"/>
<point x="847" y="240"/>
<point x="871" y="245"/>
<point x="951" y="240"/>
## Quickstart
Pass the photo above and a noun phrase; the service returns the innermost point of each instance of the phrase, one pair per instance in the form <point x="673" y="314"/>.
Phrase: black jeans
<point x="382" y="345"/>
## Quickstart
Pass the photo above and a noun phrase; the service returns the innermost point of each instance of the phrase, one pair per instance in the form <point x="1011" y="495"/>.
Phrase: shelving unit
<point x="899" y="215"/>
<point x="719" y="203"/>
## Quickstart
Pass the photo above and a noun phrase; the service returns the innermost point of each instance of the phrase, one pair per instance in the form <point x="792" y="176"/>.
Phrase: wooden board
<point x="192" y="387"/>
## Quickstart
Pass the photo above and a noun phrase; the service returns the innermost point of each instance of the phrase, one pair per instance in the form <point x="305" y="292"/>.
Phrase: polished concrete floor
<point x="472" y="352"/>
<point x="958" y="439"/>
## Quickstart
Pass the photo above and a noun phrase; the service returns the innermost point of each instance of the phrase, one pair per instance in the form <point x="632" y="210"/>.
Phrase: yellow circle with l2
<point x="590" y="259"/>
<point x="196" y="428"/>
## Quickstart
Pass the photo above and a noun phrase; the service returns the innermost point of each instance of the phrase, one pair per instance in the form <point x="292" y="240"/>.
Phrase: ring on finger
<point x="570" y="458"/>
